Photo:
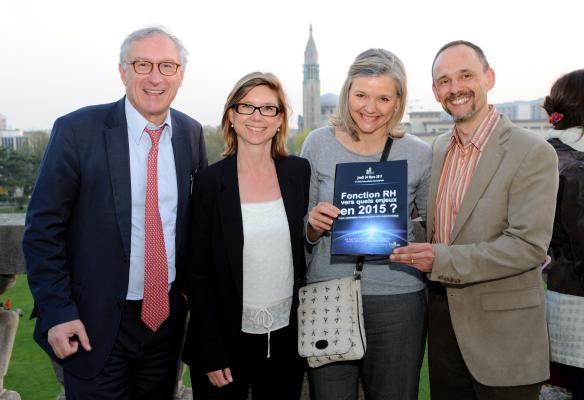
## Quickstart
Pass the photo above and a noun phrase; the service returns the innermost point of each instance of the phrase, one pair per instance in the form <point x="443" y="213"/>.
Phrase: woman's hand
<point x="320" y="220"/>
<point x="220" y="377"/>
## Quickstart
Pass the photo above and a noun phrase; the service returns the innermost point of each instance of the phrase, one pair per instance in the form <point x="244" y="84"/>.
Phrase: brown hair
<point x="479" y="52"/>
<point x="239" y="91"/>
<point x="567" y="98"/>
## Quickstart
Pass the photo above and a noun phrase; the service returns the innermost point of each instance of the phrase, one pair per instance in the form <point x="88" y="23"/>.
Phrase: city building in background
<point x="526" y="114"/>
<point x="310" y="117"/>
<point x="316" y="109"/>
<point x="328" y="107"/>
<point x="12" y="139"/>
<point x="17" y="139"/>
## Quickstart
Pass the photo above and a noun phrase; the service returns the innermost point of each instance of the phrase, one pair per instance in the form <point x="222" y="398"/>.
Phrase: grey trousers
<point x="395" y="327"/>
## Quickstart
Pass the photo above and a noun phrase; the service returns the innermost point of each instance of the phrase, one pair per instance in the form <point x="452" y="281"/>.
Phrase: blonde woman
<point x="371" y="106"/>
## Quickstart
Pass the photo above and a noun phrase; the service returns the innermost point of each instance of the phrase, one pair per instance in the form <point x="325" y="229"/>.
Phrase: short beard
<point x="465" y="117"/>
<point x="460" y="118"/>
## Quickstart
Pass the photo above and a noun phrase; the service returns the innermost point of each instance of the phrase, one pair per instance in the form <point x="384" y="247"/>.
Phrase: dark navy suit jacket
<point x="77" y="234"/>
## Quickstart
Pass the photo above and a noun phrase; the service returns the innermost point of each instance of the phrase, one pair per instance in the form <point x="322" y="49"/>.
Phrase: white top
<point x="571" y="137"/>
<point x="565" y="317"/>
<point x="139" y="145"/>
<point x="268" y="270"/>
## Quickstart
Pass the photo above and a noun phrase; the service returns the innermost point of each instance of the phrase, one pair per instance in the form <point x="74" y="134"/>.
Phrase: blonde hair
<point x="373" y="62"/>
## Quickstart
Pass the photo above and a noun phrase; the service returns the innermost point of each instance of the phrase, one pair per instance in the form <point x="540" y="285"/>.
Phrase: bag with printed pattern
<point x="330" y="321"/>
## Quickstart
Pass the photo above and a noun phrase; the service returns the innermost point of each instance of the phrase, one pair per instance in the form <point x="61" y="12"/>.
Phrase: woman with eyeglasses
<point x="371" y="105"/>
<point x="247" y="258"/>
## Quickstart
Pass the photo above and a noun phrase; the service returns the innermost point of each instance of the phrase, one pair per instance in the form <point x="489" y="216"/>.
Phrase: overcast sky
<point x="59" y="55"/>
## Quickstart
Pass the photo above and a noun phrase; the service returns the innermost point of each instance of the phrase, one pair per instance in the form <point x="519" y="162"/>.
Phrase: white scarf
<point x="572" y="137"/>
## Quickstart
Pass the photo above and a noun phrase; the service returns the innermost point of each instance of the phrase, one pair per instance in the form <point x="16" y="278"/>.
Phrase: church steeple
<point x="310" y="53"/>
<point x="311" y="86"/>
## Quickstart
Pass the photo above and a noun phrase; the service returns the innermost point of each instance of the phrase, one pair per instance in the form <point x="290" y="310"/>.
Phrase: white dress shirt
<point x="140" y="144"/>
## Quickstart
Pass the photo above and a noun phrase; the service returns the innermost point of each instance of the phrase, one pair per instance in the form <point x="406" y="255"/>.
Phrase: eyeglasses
<point x="166" y="68"/>
<point x="249" y="109"/>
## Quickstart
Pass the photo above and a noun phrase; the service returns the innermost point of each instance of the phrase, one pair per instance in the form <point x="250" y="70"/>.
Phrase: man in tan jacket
<point x="490" y="215"/>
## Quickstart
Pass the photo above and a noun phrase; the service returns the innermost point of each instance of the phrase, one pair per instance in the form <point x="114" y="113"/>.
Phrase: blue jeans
<point x="395" y="327"/>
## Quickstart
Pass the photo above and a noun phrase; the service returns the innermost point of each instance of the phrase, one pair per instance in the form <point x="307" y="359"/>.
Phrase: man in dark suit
<point x="106" y="230"/>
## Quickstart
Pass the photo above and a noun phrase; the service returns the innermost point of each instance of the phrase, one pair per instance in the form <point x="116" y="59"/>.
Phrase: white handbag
<point x="330" y="321"/>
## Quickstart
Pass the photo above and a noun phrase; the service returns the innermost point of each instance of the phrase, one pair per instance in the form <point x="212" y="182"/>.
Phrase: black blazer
<point x="215" y="266"/>
<point x="78" y="226"/>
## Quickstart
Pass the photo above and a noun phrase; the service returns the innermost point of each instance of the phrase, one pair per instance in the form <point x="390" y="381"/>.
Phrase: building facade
<point x="526" y="114"/>
<point x="13" y="139"/>
<point x="328" y="107"/>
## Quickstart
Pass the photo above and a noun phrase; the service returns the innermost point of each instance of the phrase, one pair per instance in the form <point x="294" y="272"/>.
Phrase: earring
<point x="278" y="130"/>
<point x="232" y="125"/>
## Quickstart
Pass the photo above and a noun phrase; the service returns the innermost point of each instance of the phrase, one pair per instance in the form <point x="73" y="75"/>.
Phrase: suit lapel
<point x="292" y="205"/>
<point x="231" y="220"/>
<point x="440" y="148"/>
<point x="118" y="156"/>
<point x="288" y="195"/>
<point x="181" y="149"/>
<point x="484" y="172"/>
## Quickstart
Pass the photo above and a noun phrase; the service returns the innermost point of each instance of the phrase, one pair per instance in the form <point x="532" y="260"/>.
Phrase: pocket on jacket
<point x="511" y="300"/>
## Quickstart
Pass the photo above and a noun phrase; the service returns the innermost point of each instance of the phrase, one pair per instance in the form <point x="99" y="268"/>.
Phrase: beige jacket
<point x="491" y="265"/>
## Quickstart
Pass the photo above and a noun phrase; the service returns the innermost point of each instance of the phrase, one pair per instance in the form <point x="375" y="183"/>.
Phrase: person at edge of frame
<point x="565" y="275"/>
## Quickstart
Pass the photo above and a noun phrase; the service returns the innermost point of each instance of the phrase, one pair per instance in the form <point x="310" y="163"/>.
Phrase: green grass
<point x="30" y="372"/>
<point x="424" y="388"/>
<point x="12" y="209"/>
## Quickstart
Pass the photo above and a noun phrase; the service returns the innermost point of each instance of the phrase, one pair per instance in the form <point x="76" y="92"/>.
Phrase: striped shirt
<point x="457" y="172"/>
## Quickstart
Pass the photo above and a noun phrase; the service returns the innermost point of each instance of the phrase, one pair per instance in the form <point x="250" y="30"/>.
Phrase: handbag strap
<point x="386" y="148"/>
<point x="358" y="267"/>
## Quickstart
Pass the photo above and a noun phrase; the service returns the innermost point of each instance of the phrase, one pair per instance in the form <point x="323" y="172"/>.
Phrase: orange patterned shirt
<point x="457" y="172"/>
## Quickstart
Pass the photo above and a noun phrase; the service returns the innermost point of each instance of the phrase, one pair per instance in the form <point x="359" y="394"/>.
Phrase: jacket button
<point x="120" y="304"/>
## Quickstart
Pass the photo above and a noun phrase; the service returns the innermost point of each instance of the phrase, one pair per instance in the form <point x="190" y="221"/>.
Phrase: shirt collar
<point x="481" y="134"/>
<point x="136" y="123"/>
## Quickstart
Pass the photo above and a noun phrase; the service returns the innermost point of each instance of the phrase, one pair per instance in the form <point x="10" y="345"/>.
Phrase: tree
<point x="18" y="168"/>
<point x="213" y="142"/>
<point x="15" y="174"/>
<point x="299" y="140"/>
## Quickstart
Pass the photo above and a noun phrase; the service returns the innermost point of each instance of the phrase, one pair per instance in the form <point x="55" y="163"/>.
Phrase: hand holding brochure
<point x="373" y="200"/>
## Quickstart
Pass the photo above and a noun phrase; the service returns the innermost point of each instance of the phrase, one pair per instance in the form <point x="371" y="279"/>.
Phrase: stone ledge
<point x="11" y="230"/>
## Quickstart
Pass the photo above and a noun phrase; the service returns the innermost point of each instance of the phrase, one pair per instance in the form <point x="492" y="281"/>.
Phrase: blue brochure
<point x="373" y="199"/>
